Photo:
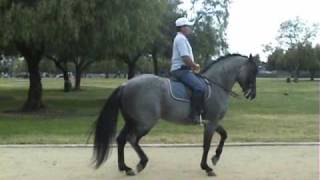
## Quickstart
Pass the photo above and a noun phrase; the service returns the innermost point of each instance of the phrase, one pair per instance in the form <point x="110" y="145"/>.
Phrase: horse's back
<point x="144" y="83"/>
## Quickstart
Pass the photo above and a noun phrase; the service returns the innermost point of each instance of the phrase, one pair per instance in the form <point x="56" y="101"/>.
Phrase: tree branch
<point x="87" y="64"/>
<point x="57" y="63"/>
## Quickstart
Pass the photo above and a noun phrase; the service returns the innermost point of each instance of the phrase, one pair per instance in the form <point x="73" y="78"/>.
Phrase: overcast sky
<point x="253" y="23"/>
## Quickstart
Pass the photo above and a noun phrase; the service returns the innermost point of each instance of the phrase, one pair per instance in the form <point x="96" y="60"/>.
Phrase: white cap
<point x="183" y="22"/>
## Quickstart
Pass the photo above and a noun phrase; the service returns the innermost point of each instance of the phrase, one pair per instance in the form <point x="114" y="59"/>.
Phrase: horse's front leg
<point x="223" y="136"/>
<point x="209" y="129"/>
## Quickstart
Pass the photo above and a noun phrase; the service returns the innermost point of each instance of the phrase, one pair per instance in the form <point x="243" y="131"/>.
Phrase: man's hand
<point x="196" y="68"/>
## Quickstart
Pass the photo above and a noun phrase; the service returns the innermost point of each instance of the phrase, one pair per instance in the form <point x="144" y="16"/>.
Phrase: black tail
<point x="105" y="128"/>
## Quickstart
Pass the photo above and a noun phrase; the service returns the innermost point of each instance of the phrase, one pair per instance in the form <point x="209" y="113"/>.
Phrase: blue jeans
<point x="189" y="79"/>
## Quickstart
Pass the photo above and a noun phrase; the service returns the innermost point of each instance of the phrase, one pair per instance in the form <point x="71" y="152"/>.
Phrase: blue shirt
<point x="181" y="47"/>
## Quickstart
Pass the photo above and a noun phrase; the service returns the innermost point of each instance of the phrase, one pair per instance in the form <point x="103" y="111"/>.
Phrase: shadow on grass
<point x="86" y="102"/>
<point x="6" y="98"/>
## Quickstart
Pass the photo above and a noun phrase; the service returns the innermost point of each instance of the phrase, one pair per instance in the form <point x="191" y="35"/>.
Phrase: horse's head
<point x="247" y="78"/>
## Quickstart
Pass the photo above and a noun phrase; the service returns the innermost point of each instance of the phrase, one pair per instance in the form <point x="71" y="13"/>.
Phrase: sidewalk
<point x="237" y="163"/>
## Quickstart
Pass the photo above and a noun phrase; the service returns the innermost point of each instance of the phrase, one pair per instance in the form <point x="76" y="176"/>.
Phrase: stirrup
<point x="202" y="122"/>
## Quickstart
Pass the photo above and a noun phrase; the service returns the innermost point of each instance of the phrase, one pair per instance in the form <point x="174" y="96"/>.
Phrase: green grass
<point x="271" y="117"/>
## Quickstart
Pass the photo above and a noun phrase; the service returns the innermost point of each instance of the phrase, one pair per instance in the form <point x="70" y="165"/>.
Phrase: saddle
<point x="179" y="92"/>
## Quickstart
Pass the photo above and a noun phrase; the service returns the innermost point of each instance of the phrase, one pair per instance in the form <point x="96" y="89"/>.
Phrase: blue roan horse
<point x="145" y="99"/>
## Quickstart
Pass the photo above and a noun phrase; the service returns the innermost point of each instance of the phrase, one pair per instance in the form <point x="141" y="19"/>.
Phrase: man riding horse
<point x="183" y="68"/>
<point x="146" y="99"/>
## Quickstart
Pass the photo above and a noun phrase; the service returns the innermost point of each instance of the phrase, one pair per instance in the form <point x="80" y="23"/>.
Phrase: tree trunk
<point x="81" y="65"/>
<point x="34" y="100"/>
<point x="77" y="78"/>
<point x="67" y="83"/>
<point x="131" y="62"/>
<point x="131" y="69"/>
<point x="207" y="60"/>
<point x="155" y="63"/>
<point x="296" y="75"/>
<point x="106" y="75"/>
<point x="312" y="74"/>
<point x="33" y="54"/>
<point x="63" y="67"/>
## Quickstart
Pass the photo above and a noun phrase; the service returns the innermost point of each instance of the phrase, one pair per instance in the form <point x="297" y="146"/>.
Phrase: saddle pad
<point x="178" y="91"/>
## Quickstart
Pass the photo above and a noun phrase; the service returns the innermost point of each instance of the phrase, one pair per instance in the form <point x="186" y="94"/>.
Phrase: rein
<point x="232" y="93"/>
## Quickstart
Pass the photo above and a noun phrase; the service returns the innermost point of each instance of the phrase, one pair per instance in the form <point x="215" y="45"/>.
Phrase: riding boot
<point x="196" y="108"/>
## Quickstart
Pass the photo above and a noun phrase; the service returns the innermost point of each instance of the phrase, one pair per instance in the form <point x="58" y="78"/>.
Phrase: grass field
<point x="271" y="117"/>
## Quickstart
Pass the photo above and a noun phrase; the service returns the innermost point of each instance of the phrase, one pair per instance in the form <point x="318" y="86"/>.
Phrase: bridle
<point x="211" y="82"/>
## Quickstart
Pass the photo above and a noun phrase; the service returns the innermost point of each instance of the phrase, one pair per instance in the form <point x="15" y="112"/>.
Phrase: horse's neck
<point x="225" y="72"/>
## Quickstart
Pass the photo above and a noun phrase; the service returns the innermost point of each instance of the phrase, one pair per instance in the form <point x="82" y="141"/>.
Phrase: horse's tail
<point x="105" y="128"/>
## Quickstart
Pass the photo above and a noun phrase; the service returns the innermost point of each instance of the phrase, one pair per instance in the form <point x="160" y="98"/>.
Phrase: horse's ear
<point x="250" y="57"/>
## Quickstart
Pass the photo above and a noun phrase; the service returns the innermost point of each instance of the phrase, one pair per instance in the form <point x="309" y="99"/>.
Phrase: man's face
<point x="186" y="30"/>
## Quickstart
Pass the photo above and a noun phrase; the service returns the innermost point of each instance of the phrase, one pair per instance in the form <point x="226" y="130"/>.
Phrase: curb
<point x="255" y="144"/>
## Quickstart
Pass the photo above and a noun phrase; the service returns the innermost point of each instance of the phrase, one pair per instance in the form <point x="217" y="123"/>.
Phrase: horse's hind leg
<point x="134" y="139"/>
<point x="223" y="136"/>
<point x="121" y="141"/>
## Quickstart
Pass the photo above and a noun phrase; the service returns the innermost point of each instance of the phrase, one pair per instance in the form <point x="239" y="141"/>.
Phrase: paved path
<point x="237" y="163"/>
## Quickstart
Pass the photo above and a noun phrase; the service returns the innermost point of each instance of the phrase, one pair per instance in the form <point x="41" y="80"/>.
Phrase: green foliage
<point x="162" y="40"/>
<point x="107" y="66"/>
<point x="306" y="54"/>
<point x="96" y="30"/>
<point x="48" y="67"/>
<point x="296" y="31"/>
<point x="20" y="66"/>
<point x="274" y="55"/>
<point x="131" y="29"/>
<point x="210" y="27"/>
<point x="26" y="22"/>
<point x="301" y="57"/>
<point x="205" y="42"/>
<point x="295" y="52"/>
<point x="316" y="62"/>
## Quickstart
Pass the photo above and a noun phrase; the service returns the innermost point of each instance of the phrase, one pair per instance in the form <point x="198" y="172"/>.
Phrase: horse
<point x="145" y="99"/>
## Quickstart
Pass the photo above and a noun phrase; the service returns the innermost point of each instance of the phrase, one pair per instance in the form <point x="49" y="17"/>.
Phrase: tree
<point x="47" y="67"/>
<point x="62" y="29"/>
<point x="135" y="30"/>
<point x="6" y="64"/>
<point x="26" y="24"/>
<point x="80" y="36"/>
<point x="204" y="42"/>
<point x="275" y="59"/>
<point x="60" y="49"/>
<point x="312" y="63"/>
<point x="161" y="45"/>
<point x="88" y="43"/>
<point x="19" y="67"/>
<point x="295" y="36"/>
<point x="317" y="60"/>
<point x="61" y="63"/>
<point x="257" y="60"/>
<point x="296" y="31"/>
<point x="210" y="27"/>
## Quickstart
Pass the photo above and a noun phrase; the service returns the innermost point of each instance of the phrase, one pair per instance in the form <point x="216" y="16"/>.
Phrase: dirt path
<point x="237" y="163"/>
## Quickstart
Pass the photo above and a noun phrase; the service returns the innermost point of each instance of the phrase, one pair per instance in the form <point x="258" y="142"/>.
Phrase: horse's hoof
<point x="130" y="173"/>
<point x="140" y="167"/>
<point x="211" y="173"/>
<point x="215" y="160"/>
<point x="122" y="169"/>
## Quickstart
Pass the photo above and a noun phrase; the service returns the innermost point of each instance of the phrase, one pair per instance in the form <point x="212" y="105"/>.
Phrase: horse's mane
<point x="219" y="60"/>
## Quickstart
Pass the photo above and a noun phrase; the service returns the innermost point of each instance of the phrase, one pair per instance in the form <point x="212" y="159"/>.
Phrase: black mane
<point x="221" y="58"/>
